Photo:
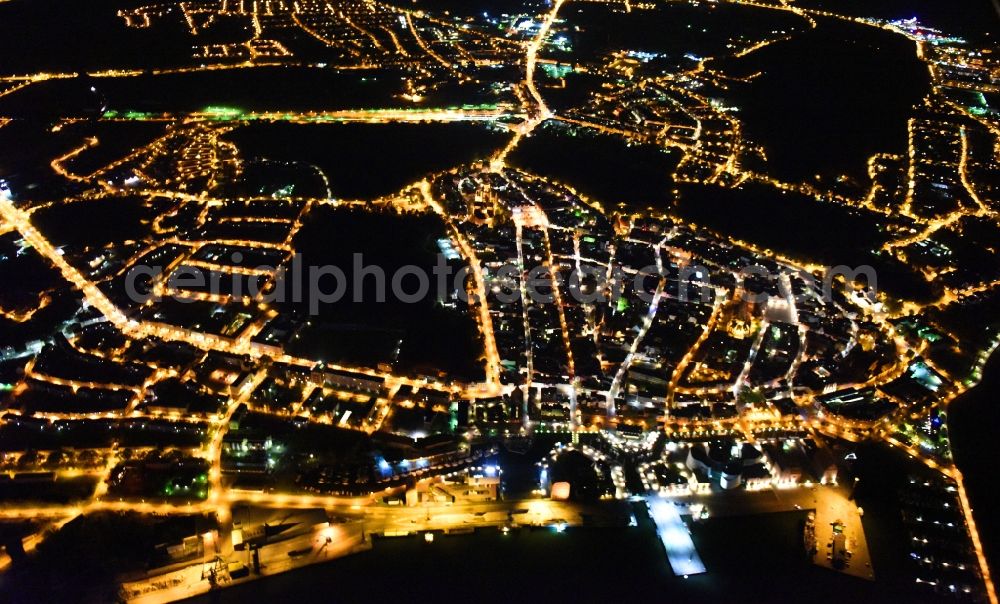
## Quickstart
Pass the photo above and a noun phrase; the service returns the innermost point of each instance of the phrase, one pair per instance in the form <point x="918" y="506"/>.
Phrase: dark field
<point x="364" y="161"/>
<point x="29" y="270"/>
<point x="83" y="36"/>
<point x="95" y="223"/>
<point x="829" y="99"/>
<point x="416" y="337"/>
<point x="674" y="29"/>
<point x="277" y="89"/>
<point x="801" y="227"/>
<point x="601" y="166"/>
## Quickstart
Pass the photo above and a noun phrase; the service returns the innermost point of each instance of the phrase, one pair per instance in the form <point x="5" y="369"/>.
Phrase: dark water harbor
<point x="745" y="556"/>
